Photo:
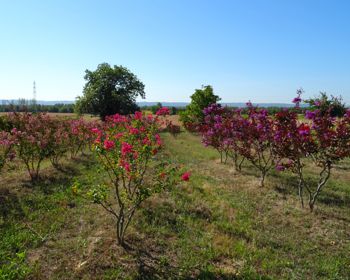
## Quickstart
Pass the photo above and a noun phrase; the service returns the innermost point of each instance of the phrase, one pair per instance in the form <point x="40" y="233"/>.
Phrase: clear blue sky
<point x="247" y="50"/>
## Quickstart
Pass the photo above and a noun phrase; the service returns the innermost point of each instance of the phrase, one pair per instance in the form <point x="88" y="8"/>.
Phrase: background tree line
<point x="32" y="107"/>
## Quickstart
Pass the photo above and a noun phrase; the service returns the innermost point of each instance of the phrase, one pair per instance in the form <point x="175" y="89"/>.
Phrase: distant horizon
<point x="166" y="103"/>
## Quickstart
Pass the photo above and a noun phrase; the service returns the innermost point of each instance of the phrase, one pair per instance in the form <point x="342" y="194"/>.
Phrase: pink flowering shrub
<point x="36" y="137"/>
<point x="79" y="135"/>
<point x="128" y="147"/>
<point x="60" y="141"/>
<point x="6" y="148"/>
<point x="32" y="135"/>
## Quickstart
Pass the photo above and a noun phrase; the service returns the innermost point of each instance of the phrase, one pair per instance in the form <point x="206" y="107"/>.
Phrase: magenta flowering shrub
<point x="293" y="144"/>
<point x="257" y="140"/>
<point x="281" y="140"/>
<point x="216" y="130"/>
<point x="240" y="137"/>
<point x="324" y="140"/>
<point x="128" y="148"/>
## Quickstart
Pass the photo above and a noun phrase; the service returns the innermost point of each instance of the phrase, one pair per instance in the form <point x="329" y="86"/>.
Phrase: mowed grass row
<point x="220" y="225"/>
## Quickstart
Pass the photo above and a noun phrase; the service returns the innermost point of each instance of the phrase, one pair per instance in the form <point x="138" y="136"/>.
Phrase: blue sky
<point x="247" y="50"/>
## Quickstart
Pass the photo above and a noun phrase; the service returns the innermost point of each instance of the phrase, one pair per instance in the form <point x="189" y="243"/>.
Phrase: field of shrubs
<point x="244" y="195"/>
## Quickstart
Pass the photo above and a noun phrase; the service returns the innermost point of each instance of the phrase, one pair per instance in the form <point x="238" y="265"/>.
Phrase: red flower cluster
<point x="163" y="111"/>
<point x="186" y="176"/>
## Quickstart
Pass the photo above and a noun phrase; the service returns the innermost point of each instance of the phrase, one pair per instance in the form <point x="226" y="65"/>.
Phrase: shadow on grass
<point x="9" y="205"/>
<point x="334" y="199"/>
<point x="151" y="267"/>
<point x="287" y="184"/>
<point x="50" y="182"/>
<point x="58" y="178"/>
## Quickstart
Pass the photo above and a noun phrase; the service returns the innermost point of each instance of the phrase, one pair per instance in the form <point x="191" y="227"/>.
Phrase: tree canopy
<point x="110" y="90"/>
<point x="200" y="100"/>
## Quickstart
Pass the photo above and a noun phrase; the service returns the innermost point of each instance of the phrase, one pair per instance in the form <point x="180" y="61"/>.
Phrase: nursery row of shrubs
<point x="283" y="141"/>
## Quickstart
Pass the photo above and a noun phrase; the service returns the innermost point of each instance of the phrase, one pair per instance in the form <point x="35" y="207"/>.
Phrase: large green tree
<point x="202" y="98"/>
<point x="110" y="90"/>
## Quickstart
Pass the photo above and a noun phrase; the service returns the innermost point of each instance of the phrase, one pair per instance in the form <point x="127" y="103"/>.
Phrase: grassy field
<point x="220" y="225"/>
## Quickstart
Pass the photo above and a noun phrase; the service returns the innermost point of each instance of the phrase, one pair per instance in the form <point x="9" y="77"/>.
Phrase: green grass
<point x="220" y="225"/>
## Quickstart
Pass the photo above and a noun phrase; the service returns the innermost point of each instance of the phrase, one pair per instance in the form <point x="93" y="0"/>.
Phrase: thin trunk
<point x="240" y="164"/>
<point x="324" y="176"/>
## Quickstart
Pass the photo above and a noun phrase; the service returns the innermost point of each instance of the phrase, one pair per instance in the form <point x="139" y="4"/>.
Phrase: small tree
<point x="201" y="99"/>
<point x="128" y="149"/>
<point x="33" y="137"/>
<point x="214" y="130"/>
<point x="257" y="140"/>
<point x="110" y="90"/>
<point x="323" y="139"/>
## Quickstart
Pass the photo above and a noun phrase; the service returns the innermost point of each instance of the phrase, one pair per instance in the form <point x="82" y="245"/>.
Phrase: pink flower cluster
<point x="130" y="140"/>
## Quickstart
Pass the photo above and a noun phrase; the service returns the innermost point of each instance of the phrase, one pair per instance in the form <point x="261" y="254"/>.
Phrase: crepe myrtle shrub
<point x="215" y="132"/>
<point x="323" y="139"/>
<point x="222" y="129"/>
<point x="80" y="135"/>
<point x="6" y="148"/>
<point x="256" y="136"/>
<point x="129" y="147"/>
<point x="60" y="141"/>
<point x="293" y="144"/>
<point x="32" y="136"/>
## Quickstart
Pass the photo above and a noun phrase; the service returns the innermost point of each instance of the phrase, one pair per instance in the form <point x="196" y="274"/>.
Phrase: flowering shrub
<point x="240" y="138"/>
<point x="32" y="135"/>
<point x="163" y="111"/>
<point x="216" y="130"/>
<point x="280" y="140"/>
<point x="35" y="137"/>
<point x="80" y="135"/>
<point x="257" y="139"/>
<point x="324" y="139"/>
<point x="128" y="148"/>
<point x="293" y="143"/>
<point x="6" y="145"/>
<point x="60" y="141"/>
